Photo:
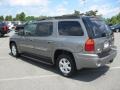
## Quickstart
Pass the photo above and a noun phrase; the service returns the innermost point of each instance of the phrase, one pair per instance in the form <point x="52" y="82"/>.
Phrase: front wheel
<point x="14" y="50"/>
<point x="66" y="65"/>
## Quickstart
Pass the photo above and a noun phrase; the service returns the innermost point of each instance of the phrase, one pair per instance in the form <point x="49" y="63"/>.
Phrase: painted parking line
<point x="5" y="58"/>
<point x="27" y="77"/>
<point x="113" y="68"/>
<point x="2" y="47"/>
<point x="38" y="77"/>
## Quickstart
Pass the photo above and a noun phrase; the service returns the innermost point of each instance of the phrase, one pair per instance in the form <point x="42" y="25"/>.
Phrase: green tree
<point x="29" y="18"/>
<point x="17" y="17"/>
<point x="76" y="13"/>
<point x="91" y="13"/>
<point x="114" y="20"/>
<point x="22" y="16"/>
<point x="8" y="18"/>
<point x="1" y="18"/>
<point x="118" y="18"/>
<point x="14" y="19"/>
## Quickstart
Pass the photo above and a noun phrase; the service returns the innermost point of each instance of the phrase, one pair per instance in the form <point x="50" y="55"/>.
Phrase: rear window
<point x="70" y="28"/>
<point x="96" y="27"/>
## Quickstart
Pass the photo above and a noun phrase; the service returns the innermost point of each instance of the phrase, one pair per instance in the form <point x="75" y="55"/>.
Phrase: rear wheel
<point x="14" y="50"/>
<point x="66" y="65"/>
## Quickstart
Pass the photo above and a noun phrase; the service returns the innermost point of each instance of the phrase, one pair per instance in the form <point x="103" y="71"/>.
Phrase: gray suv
<point x="70" y="43"/>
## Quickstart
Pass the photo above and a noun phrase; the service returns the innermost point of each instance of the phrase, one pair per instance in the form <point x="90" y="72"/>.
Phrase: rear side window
<point x="70" y="28"/>
<point x="44" y="29"/>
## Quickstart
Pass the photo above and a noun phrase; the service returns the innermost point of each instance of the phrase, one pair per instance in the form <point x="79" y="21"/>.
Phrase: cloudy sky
<point x="107" y="8"/>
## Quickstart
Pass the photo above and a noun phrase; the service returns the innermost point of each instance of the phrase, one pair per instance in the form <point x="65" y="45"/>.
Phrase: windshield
<point x="96" y="27"/>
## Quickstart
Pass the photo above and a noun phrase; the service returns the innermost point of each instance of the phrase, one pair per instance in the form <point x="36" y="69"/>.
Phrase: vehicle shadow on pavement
<point x="4" y="37"/>
<point x="38" y="64"/>
<point x="85" y="75"/>
<point x="88" y="75"/>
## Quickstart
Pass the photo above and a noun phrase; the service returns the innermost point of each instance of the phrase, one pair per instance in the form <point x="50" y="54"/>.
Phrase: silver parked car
<point x="70" y="43"/>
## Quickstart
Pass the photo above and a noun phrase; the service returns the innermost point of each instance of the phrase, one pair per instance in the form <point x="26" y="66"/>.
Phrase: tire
<point x="111" y="61"/>
<point x="1" y="35"/>
<point x="66" y="65"/>
<point x="115" y="30"/>
<point x="14" y="50"/>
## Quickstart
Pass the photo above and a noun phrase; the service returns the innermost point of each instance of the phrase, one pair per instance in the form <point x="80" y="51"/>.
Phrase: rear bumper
<point x="93" y="60"/>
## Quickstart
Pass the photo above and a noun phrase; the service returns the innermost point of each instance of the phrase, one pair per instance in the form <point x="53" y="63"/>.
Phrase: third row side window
<point x="70" y="28"/>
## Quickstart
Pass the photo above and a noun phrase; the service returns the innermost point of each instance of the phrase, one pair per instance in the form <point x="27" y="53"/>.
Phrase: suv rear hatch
<point x="4" y="27"/>
<point x="100" y="32"/>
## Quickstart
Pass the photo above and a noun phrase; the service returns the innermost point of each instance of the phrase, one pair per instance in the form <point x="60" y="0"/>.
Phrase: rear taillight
<point x="90" y="45"/>
<point x="5" y="28"/>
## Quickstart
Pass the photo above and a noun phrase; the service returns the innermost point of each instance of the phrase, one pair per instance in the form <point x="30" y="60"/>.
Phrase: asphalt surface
<point x="24" y="74"/>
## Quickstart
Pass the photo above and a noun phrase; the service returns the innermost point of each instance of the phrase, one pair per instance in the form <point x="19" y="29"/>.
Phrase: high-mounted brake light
<point x="90" y="45"/>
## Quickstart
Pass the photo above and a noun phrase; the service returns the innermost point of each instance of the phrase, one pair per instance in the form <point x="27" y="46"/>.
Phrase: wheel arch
<point x="11" y="43"/>
<point x="62" y="51"/>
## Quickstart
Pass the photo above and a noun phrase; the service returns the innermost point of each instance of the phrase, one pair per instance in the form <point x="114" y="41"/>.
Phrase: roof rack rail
<point x="61" y="17"/>
<point x="67" y="17"/>
<point x="42" y="19"/>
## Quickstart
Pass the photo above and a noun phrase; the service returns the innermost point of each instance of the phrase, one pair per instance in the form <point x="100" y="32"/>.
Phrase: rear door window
<point x="44" y="29"/>
<point x="30" y="29"/>
<point x="70" y="28"/>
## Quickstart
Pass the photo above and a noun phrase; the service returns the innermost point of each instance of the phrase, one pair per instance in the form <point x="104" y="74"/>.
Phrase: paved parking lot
<point x="24" y="74"/>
